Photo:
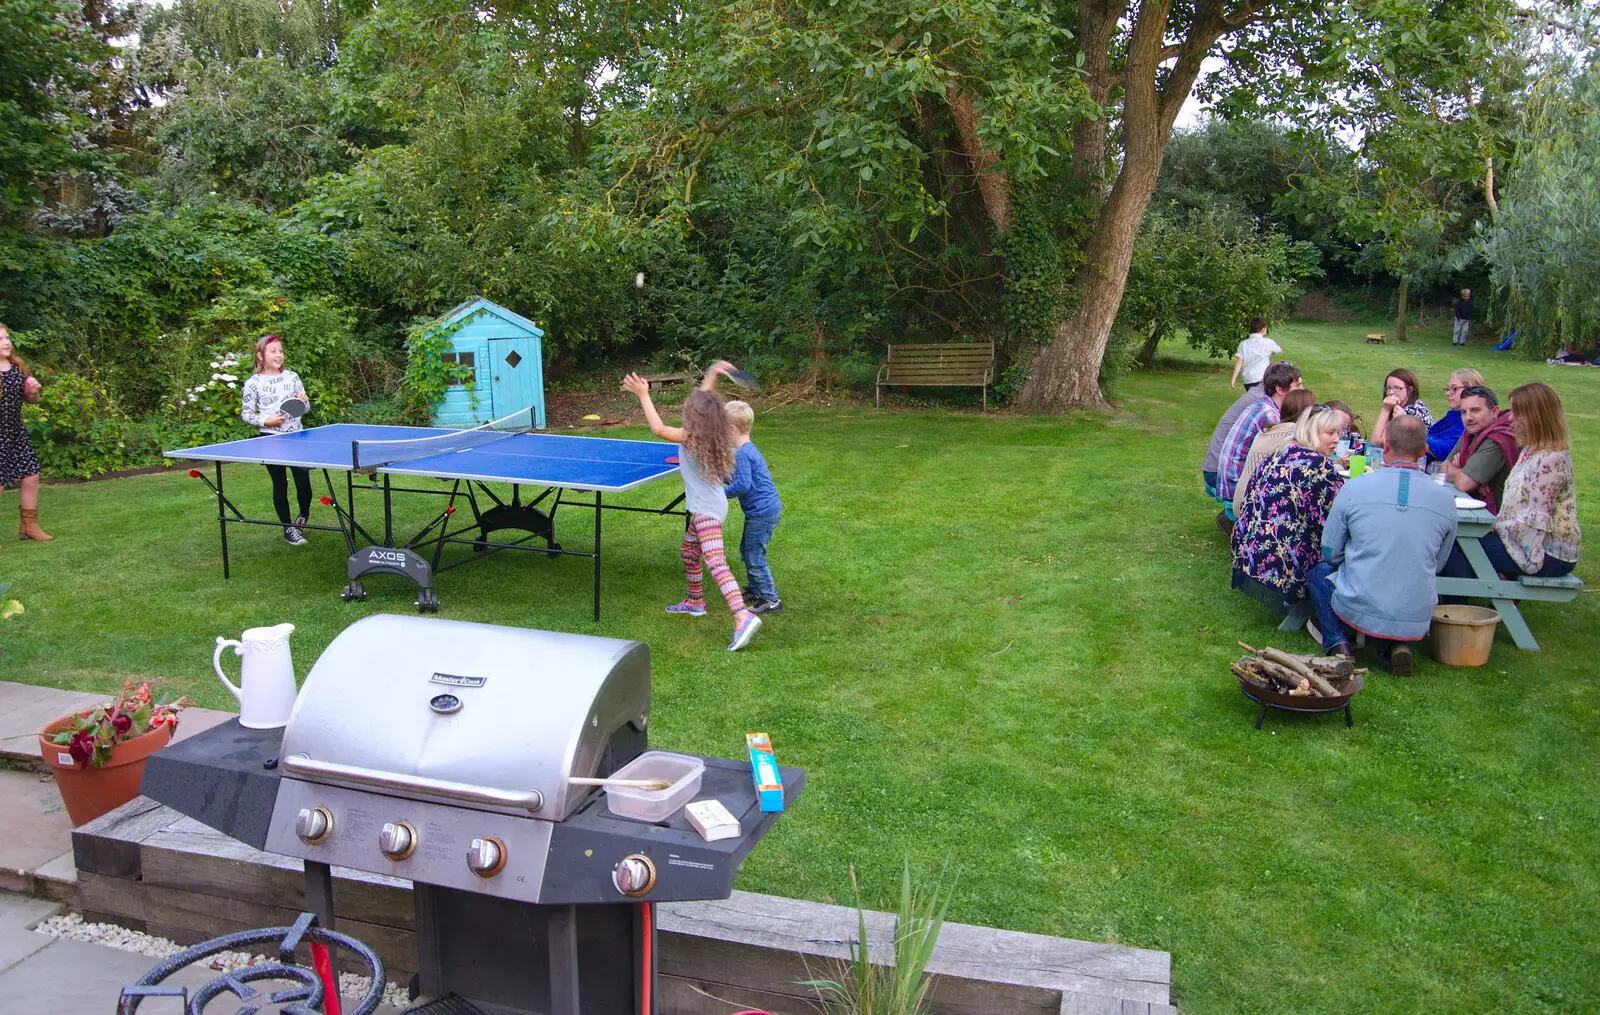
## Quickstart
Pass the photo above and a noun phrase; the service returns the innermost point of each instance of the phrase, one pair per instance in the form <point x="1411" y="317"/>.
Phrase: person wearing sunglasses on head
<point x="1447" y="429"/>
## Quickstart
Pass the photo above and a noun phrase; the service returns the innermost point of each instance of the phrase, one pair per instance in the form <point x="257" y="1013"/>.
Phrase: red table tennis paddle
<point x="673" y="460"/>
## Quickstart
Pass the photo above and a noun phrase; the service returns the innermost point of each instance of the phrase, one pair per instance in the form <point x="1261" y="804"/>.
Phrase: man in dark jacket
<point x="1463" y="318"/>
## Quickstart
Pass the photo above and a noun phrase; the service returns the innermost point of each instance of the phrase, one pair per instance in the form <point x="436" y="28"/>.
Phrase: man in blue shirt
<point x="1387" y="537"/>
<point x="758" y="496"/>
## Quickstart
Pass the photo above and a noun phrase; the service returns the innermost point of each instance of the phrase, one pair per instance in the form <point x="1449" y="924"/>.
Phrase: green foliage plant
<point x="429" y="373"/>
<point x="900" y="987"/>
<point x="1543" y="250"/>
<point x="78" y="429"/>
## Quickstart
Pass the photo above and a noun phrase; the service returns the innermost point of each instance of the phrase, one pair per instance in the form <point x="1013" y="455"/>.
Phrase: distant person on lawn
<point x="1447" y="429"/>
<point x="1265" y="411"/>
<point x="1487" y="450"/>
<point x="1463" y="310"/>
<point x="1254" y="355"/>
<point x="1389" y="533"/>
<point x="758" y="497"/>
<point x="1536" y="529"/>
<point x="1278" y="537"/>
<point x="1271" y="440"/>
<point x="1402" y="395"/>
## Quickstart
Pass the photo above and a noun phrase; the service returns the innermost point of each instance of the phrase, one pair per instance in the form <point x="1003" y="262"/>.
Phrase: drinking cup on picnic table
<point x="1358" y="465"/>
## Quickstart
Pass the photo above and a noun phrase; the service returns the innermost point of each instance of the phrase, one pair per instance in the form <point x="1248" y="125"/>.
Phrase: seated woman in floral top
<point x="1536" y="531"/>
<point x="1278" y="537"/>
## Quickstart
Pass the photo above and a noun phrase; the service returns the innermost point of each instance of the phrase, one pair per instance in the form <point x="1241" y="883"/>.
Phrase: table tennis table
<point x="468" y="463"/>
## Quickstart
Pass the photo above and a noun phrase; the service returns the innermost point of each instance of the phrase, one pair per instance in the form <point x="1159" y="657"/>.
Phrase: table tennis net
<point x="372" y="454"/>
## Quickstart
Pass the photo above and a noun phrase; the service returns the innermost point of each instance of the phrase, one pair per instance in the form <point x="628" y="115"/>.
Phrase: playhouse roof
<point x="487" y="306"/>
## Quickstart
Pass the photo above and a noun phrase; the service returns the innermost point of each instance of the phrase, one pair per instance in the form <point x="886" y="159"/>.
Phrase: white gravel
<point x="71" y="926"/>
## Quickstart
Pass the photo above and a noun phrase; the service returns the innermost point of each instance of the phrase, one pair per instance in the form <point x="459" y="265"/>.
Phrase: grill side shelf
<point x="218" y="778"/>
<point x="584" y="849"/>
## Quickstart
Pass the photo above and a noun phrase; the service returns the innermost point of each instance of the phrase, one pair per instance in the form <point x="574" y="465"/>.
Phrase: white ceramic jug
<point x="266" y="694"/>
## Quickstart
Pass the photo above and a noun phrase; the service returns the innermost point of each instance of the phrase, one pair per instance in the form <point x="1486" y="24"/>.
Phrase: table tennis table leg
<point x="222" y="521"/>
<point x="597" y="514"/>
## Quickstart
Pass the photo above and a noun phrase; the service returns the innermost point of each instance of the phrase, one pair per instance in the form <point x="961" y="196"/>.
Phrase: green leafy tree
<point x="1541" y="248"/>
<point x="1204" y="273"/>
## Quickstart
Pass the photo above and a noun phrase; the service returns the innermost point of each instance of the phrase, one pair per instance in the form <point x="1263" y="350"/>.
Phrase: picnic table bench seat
<point x="941" y="364"/>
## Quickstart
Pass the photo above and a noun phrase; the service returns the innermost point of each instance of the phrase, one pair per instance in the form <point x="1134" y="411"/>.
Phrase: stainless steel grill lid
<point x="495" y="718"/>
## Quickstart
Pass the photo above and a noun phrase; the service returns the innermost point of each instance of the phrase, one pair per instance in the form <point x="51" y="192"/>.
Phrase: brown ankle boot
<point x="29" y="529"/>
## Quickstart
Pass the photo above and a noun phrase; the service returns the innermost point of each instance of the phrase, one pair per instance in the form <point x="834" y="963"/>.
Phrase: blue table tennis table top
<point x="534" y="459"/>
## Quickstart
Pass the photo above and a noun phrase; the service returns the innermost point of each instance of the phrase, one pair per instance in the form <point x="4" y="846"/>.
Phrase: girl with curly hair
<point x="705" y="459"/>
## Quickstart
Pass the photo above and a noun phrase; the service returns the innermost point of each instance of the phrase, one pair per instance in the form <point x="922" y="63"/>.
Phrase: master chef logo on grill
<point x="456" y="680"/>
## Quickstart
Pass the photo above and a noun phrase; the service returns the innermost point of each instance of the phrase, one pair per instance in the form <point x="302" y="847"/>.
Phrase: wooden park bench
<point x="945" y="364"/>
<point x="1376" y="338"/>
<point x="662" y="380"/>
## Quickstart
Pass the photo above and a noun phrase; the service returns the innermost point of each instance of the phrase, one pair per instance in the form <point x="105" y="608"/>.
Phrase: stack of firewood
<point x="1270" y="669"/>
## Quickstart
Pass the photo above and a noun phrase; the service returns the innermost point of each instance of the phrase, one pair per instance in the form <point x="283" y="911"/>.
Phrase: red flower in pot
<point x="98" y="755"/>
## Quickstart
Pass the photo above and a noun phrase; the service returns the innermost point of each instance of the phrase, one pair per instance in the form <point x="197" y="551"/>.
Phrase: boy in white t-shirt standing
<point x="1254" y="355"/>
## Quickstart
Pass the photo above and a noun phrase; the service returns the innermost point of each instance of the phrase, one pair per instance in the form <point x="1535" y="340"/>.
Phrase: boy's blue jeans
<point x="753" y="549"/>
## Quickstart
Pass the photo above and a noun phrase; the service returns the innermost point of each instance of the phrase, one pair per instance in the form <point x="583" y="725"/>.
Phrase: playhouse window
<point x="466" y="359"/>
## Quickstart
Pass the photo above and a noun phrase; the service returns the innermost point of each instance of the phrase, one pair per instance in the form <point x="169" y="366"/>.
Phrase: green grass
<point x="1006" y="645"/>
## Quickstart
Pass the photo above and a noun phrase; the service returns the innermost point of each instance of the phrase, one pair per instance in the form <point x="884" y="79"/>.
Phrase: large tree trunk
<point x="1400" y="319"/>
<point x="1066" y="373"/>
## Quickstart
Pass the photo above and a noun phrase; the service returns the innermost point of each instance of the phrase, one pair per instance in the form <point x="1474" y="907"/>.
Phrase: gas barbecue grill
<point x="441" y="752"/>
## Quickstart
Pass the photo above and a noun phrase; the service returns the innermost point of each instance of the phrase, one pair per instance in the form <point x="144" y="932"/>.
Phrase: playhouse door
<point x="513" y="375"/>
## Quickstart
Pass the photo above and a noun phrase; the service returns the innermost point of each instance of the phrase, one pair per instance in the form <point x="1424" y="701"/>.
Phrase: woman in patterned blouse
<point x="1536" y="532"/>
<point x="1278" y="537"/>
<point x="1401" y="393"/>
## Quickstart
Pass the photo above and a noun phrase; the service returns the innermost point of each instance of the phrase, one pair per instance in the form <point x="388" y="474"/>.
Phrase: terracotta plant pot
<point x="91" y="792"/>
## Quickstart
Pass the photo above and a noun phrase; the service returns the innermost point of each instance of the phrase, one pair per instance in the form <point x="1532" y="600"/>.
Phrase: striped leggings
<point x="703" y="541"/>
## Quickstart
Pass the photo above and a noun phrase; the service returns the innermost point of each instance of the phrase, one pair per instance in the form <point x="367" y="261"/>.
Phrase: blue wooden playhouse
<point x="506" y="353"/>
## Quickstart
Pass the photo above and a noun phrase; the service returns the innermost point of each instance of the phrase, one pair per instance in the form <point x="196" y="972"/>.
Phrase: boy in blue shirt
<point x="758" y="497"/>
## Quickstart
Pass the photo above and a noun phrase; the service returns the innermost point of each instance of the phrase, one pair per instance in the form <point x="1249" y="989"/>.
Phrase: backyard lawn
<point x="1006" y="646"/>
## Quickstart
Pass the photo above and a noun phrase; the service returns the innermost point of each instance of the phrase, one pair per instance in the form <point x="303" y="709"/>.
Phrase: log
<point x="1294" y="663"/>
<point x="1321" y="685"/>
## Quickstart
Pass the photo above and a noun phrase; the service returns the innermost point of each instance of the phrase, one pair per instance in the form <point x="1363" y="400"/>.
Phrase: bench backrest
<point x="967" y="362"/>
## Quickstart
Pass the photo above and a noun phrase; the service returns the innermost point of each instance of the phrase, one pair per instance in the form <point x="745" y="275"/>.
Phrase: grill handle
<point x="301" y="764"/>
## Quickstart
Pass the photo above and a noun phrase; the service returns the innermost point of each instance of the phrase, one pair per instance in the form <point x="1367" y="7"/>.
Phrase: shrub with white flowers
<point x="209" y="410"/>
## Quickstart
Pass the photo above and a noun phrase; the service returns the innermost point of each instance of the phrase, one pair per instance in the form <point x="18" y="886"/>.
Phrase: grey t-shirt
<point x="700" y="495"/>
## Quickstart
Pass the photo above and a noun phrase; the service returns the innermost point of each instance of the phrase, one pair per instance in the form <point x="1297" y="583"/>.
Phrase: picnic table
<point x="1472" y="524"/>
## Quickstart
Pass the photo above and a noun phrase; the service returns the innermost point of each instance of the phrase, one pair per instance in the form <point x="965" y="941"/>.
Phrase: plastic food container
<point x="655" y="804"/>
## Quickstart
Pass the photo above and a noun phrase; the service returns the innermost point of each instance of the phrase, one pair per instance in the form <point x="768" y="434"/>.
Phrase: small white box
<point x="712" y="820"/>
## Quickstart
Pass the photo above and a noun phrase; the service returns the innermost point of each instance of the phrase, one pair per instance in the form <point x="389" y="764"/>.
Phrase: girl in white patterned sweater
<point x="264" y="394"/>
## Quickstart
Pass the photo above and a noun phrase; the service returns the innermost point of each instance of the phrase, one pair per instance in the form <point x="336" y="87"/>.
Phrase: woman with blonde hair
<point x="1269" y="441"/>
<point x="1278" y="537"/>
<point x="1447" y="429"/>
<point x="1536" y="530"/>
<point x="19" y="465"/>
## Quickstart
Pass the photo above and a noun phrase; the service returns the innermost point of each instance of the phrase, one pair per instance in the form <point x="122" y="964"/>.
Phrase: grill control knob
<point x="487" y="857"/>
<point x="313" y="825"/>
<point x="397" y="840"/>
<point x="634" y="875"/>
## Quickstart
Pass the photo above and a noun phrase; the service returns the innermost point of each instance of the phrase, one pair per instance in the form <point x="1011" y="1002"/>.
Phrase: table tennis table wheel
<point x="353" y="592"/>
<point x="428" y="601"/>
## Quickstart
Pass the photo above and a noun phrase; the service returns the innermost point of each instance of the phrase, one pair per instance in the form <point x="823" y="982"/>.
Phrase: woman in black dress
<point x="19" y="466"/>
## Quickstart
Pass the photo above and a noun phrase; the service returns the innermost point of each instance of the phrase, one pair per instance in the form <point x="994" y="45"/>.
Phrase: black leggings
<point x="280" y="490"/>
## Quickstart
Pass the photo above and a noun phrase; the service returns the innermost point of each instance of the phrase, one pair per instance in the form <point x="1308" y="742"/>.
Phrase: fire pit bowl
<point x="1346" y="686"/>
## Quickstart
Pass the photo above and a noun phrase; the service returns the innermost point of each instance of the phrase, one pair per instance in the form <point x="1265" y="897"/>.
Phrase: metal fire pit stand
<point x="1265" y="705"/>
<point x="309" y="997"/>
